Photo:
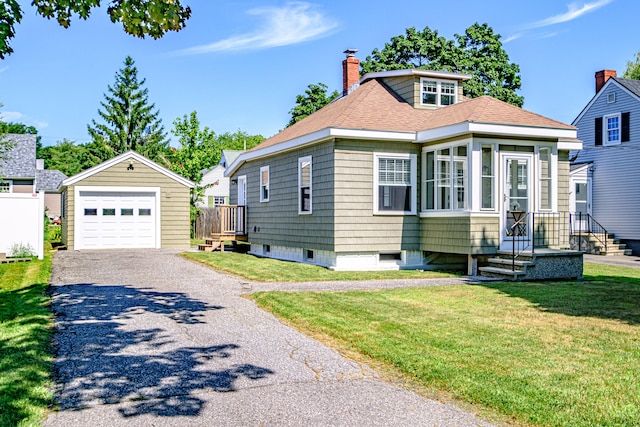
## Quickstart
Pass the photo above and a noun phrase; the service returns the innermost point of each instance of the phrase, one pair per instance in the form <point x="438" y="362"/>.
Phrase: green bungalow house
<point x="404" y="172"/>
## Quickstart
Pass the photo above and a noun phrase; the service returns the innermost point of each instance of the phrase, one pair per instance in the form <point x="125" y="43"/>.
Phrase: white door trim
<point x="504" y="199"/>
<point x="77" y="211"/>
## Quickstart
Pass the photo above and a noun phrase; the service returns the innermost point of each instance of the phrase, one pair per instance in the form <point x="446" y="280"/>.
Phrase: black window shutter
<point x="598" y="130"/>
<point x="625" y="127"/>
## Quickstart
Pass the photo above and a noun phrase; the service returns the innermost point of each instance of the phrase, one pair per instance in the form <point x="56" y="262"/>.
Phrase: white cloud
<point x="15" y="116"/>
<point x="574" y="11"/>
<point x="11" y="116"/>
<point x="296" y="22"/>
<point x="511" y="38"/>
<point x="3" y="69"/>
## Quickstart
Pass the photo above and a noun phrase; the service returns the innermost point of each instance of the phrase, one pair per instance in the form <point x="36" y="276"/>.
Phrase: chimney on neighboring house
<point x="602" y="77"/>
<point x="350" y="71"/>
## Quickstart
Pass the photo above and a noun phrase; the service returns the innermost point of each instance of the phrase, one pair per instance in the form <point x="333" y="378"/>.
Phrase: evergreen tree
<point x="130" y="121"/>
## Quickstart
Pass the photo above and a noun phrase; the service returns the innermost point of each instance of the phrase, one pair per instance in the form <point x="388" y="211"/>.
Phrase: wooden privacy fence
<point x="221" y="220"/>
<point x="207" y="222"/>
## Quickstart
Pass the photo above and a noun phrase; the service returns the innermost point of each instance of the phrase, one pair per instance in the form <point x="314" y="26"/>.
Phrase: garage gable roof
<point x="129" y="155"/>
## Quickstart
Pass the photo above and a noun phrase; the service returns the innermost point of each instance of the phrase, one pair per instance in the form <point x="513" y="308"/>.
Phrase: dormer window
<point x="438" y="92"/>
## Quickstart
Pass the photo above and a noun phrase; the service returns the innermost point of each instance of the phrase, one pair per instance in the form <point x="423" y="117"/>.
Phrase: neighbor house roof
<point x="21" y="161"/>
<point x="375" y="111"/>
<point x="49" y="180"/>
<point x="630" y="84"/>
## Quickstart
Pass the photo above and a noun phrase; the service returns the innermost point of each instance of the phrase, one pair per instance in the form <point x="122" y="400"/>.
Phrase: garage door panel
<point x="117" y="220"/>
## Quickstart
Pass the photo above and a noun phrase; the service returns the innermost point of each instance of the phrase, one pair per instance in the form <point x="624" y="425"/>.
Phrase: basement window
<point x="391" y="256"/>
<point x="308" y="254"/>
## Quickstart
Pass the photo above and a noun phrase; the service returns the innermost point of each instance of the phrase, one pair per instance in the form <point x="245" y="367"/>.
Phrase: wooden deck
<point x="230" y="227"/>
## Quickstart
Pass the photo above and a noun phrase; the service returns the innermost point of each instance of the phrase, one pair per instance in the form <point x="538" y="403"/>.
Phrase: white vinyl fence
<point x="22" y="222"/>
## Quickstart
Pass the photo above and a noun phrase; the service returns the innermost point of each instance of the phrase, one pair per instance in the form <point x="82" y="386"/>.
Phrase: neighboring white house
<point x="216" y="185"/>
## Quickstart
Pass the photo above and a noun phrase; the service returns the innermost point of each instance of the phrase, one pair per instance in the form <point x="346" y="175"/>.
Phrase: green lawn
<point x="548" y="354"/>
<point x="25" y="342"/>
<point x="257" y="269"/>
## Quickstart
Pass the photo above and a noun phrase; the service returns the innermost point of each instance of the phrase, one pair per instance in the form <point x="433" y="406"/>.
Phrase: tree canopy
<point x="633" y="68"/>
<point x="130" y="121"/>
<point x="478" y="52"/>
<point x="315" y="97"/>
<point x="139" y="18"/>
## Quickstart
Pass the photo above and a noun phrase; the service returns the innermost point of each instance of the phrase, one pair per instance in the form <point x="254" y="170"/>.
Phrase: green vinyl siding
<point x="174" y="202"/>
<point x="461" y="235"/>
<point x="277" y="222"/>
<point x="563" y="181"/>
<point x="357" y="229"/>
<point x="408" y="88"/>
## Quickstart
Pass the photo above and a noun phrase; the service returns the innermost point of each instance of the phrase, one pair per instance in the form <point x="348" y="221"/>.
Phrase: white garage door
<point x="116" y="220"/>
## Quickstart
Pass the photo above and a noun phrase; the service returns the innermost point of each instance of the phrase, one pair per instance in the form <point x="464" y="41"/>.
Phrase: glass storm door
<point x="516" y="194"/>
<point x="581" y="201"/>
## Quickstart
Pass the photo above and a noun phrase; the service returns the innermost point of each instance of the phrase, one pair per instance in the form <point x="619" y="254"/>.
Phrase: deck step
<point x="509" y="262"/>
<point x="501" y="272"/>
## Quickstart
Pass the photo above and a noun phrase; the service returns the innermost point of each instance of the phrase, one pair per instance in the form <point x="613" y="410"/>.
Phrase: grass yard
<point x="25" y="337"/>
<point x="547" y="354"/>
<point x="257" y="269"/>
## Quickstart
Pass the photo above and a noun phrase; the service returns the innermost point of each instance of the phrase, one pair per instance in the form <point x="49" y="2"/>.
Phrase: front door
<point x="517" y="195"/>
<point x="241" y="215"/>
<point x="580" y="203"/>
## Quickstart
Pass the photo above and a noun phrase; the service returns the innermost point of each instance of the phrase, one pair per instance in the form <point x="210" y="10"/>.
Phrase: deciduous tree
<point x="130" y="121"/>
<point x="314" y="98"/>
<point x="478" y="52"/>
<point x="633" y="68"/>
<point x="139" y="18"/>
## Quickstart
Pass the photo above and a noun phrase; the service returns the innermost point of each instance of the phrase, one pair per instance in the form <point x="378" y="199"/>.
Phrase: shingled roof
<point x="374" y="106"/>
<point x="21" y="160"/>
<point x="630" y="84"/>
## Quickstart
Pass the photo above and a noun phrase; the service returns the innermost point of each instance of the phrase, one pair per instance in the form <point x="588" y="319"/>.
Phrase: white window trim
<point x="10" y="185"/>
<point x="262" y="185"/>
<point x="553" y="164"/>
<point x="438" y="91"/>
<point x="605" y="129"/>
<point x="302" y="160"/>
<point x="494" y="177"/>
<point x="413" y="158"/>
<point x="468" y="171"/>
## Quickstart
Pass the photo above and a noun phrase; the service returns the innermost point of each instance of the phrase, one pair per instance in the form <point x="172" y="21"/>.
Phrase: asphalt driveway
<point x="148" y="338"/>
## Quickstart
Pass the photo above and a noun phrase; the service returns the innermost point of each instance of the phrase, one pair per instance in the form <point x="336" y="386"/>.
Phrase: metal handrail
<point x="600" y="234"/>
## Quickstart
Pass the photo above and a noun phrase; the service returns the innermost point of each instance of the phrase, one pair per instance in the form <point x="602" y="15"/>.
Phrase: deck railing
<point x="233" y="219"/>
<point x="226" y="219"/>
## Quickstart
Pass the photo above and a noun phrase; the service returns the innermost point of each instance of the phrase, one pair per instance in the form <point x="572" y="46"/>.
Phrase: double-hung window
<point x="264" y="184"/>
<point x="445" y="178"/>
<point x="305" y="185"/>
<point x="437" y="92"/>
<point x="612" y="125"/>
<point x="394" y="183"/>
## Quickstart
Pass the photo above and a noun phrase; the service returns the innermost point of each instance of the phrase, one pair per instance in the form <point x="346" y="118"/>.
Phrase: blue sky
<point x="240" y="64"/>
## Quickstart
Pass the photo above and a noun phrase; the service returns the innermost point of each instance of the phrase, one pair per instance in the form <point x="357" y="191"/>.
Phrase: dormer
<point x="423" y="88"/>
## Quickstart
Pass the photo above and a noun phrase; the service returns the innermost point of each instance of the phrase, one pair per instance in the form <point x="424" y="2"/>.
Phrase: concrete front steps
<point x="543" y="264"/>
<point x="592" y="245"/>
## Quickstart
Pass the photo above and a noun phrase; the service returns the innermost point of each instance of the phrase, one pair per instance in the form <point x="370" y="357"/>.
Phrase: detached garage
<point x="126" y="202"/>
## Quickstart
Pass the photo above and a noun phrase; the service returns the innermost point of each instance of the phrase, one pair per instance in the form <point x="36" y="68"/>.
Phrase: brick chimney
<point x="602" y="77"/>
<point x="350" y="71"/>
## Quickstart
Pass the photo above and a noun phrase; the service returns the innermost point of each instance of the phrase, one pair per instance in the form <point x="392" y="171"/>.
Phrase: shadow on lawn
<point x="102" y="359"/>
<point x="604" y="297"/>
<point x="24" y="355"/>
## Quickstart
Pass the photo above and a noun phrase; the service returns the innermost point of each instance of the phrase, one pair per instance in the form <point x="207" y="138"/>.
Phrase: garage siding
<point x="174" y="204"/>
